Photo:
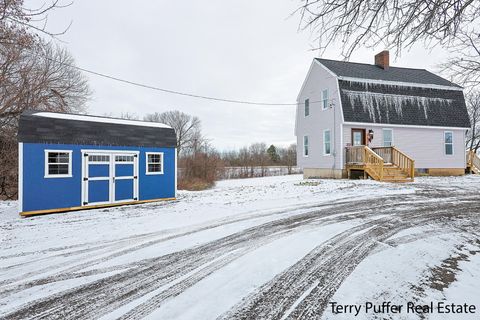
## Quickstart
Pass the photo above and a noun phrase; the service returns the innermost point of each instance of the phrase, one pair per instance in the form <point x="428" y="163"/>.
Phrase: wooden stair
<point x="473" y="162"/>
<point x="386" y="164"/>
<point x="392" y="173"/>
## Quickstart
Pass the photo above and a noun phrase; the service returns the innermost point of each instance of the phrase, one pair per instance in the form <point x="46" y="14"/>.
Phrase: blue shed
<point x="71" y="162"/>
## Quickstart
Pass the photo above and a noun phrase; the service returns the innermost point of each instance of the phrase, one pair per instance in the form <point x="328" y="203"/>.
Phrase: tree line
<point x="200" y="164"/>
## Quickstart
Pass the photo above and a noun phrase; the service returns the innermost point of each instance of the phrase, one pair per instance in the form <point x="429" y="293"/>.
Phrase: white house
<point x="383" y="121"/>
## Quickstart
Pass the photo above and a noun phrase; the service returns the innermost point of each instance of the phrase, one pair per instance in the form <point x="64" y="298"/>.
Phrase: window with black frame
<point x="58" y="164"/>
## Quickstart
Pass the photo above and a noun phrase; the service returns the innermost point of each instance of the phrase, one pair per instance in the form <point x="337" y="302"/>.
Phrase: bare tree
<point x="288" y="157"/>
<point x="187" y="128"/>
<point x="128" y="116"/>
<point x="244" y="161"/>
<point x="391" y="24"/>
<point x="259" y="157"/>
<point x="21" y="25"/>
<point x="201" y="167"/>
<point x="34" y="75"/>
<point x="9" y="165"/>
<point x="39" y="78"/>
<point x="464" y="66"/>
<point x="473" y="107"/>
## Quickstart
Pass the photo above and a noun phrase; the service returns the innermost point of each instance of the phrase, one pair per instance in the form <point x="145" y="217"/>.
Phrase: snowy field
<point x="262" y="248"/>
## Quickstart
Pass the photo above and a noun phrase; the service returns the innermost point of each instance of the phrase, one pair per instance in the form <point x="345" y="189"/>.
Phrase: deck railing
<point x="355" y="155"/>
<point x="374" y="160"/>
<point x="363" y="155"/>
<point x="384" y="152"/>
<point x="397" y="158"/>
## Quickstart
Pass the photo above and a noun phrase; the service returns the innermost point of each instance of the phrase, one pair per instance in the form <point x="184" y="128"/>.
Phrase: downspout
<point x="334" y="139"/>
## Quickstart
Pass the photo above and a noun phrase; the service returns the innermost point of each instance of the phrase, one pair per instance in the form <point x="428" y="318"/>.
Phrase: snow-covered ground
<point x="271" y="248"/>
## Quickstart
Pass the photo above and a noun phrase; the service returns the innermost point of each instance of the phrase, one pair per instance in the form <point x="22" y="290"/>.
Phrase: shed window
<point x="305" y="146"/>
<point x="327" y="146"/>
<point x="448" y="135"/>
<point x="387" y="137"/>
<point x="58" y="163"/>
<point x="154" y="163"/>
<point x="99" y="158"/>
<point x="325" y="99"/>
<point x="124" y="158"/>
<point x="307" y="107"/>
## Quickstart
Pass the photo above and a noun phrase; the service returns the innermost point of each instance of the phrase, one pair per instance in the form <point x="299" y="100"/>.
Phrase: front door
<point x="358" y="137"/>
<point x="109" y="177"/>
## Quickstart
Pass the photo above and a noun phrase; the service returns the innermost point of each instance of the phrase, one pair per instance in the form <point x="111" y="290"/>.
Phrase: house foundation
<point x="446" y="171"/>
<point x="313" y="173"/>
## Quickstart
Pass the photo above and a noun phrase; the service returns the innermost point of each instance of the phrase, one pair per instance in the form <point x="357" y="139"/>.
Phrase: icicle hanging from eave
<point x="371" y="102"/>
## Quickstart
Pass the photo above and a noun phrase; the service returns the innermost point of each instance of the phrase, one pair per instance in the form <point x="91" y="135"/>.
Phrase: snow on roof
<point x="90" y="118"/>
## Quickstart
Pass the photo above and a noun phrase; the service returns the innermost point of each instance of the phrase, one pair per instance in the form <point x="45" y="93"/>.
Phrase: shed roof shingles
<point x="39" y="129"/>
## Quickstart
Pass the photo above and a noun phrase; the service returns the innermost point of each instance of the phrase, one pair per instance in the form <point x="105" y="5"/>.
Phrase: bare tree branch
<point x="391" y="24"/>
<point x="187" y="128"/>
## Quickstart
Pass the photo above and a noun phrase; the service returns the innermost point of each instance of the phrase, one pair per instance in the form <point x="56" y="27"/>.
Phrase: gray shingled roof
<point x="370" y="71"/>
<point x="403" y="105"/>
<point x="40" y="129"/>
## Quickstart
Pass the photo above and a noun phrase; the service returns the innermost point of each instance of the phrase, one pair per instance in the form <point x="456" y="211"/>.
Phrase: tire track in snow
<point x="74" y="271"/>
<point x="102" y="296"/>
<point x="105" y="295"/>
<point x="120" y="244"/>
<point x="329" y="265"/>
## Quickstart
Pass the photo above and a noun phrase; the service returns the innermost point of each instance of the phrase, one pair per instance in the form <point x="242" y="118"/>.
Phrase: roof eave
<point x="403" y="84"/>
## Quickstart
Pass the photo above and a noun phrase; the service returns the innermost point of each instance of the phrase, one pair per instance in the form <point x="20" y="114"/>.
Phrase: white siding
<point x="424" y="145"/>
<point x="319" y="120"/>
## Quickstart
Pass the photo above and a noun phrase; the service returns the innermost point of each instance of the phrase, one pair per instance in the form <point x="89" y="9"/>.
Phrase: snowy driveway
<point x="269" y="248"/>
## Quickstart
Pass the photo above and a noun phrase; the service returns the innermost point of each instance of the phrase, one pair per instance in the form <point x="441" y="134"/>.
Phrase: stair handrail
<point x="373" y="162"/>
<point x="404" y="162"/>
<point x="473" y="159"/>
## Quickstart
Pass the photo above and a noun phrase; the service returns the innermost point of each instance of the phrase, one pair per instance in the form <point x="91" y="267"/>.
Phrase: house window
<point x="305" y="146"/>
<point x="325" y="99"/>
<point x="387" y="137"/>
<point x="327" y="146"/>
<point x="448" y="136"/>
<point x="307" y="107"/>
<point x="58" y="163"/>
<point x="154" y="163"/>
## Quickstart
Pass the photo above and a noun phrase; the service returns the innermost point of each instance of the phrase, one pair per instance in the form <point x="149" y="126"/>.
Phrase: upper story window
<point x="448" y="137"/>
<point x="387" y="137"/>
<point x="58" y="163"/>
<point x="325" y="99"/>
<point x="305" y="146"/>
<point x="327" y="146"/>
<point x="154" y="163"/>
<point x="307" y="107"/>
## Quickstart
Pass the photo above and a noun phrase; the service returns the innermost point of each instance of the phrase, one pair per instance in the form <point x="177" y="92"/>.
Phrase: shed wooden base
<point x="39" y="212"/>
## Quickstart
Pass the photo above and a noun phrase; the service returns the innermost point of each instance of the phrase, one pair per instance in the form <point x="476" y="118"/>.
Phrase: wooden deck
<point x="383" y="163"/>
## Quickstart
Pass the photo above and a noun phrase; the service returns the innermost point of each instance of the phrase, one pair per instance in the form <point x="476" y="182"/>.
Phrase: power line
<point x="146" y="86"/>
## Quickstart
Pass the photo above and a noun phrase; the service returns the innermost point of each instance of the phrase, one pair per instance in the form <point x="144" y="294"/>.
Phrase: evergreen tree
<point x="273" y="154"/>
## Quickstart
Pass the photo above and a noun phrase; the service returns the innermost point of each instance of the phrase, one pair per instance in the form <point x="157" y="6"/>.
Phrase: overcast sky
<point x="235" y="49"/>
